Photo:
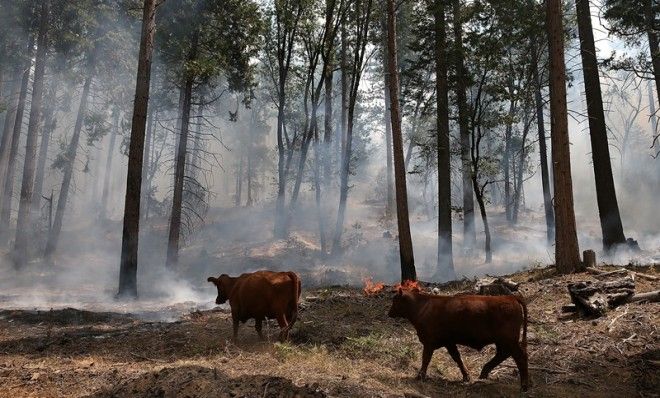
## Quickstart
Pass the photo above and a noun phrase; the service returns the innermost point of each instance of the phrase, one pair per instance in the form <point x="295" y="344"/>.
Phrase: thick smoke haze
<point x="229" y="238"/>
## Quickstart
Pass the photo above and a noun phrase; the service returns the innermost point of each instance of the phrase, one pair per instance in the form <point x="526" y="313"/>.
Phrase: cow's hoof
<point x="420" y="377"/>
<point x="467" y="379"/>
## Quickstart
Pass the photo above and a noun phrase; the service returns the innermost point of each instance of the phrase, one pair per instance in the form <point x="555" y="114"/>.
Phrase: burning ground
<point x="343" y="346"/>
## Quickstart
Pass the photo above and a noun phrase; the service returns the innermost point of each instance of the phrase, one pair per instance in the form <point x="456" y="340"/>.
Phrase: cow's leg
<point x="426" y="358"/>
<point x="500" y="356"/>
<point x="456" y="356"/>
<point x="284" y="327"/>
<point x="235" y="324"/>
<point x="258" y="324"/>
<point x="520" y="356"/>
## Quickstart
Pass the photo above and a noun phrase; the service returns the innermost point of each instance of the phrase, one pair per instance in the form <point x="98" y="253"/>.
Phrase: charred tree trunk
<point x="543" y="152"/>
<point x="328" y="85"/>
<point x="406" y="256"/>
<point x="24" y="222"/>
<point x="567" y="252"/>
<point x="11" y="149"/>
<point x="72" y="149"/>
<point x="445" y="257"/>
<point x="469" y="232"/>
<point x="608" y="207"/>
<point x="108" y="163"/>
<point x="344" y="90"/>
<point x="130" y="233"/>
<point x="179" y="172"/>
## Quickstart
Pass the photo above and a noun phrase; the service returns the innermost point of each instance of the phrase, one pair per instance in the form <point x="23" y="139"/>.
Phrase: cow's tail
<point x="521" y="301"/>
<point x="296" y="297"/>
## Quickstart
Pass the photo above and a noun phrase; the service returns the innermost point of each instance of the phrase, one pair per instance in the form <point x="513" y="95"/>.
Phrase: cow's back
<point x="474" y="321"/>
<point x="264" y="294"/>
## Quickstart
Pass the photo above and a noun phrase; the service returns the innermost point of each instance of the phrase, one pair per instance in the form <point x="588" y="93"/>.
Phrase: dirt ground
<point x="344" y="345"/>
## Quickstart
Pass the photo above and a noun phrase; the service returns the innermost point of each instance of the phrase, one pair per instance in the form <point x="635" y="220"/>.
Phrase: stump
<point x="589" y="258"/>
<point x="595" y="298"/>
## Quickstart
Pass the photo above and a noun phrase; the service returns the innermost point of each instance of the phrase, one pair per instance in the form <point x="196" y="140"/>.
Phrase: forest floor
<point x="344" y="345"/>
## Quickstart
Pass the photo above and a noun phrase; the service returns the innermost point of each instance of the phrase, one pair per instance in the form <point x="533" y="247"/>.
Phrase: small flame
<point x="371" y="288"/>
<point x="408" y="285"/>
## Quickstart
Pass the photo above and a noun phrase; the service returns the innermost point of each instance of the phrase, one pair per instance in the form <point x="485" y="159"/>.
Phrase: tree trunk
<point x="608" y="207"/>
<point x="10" y="119"/>
<point x="146" y="165"/>
<point x="250" y="154"/>
<point x="654" y="47"/>
<point x="469" y="232"/>
<point x="567" y="252"/>
<point x="344" y="89"/>
<point x="129" y="246"/>
<point x="518" y="182"/>
<point x="24" y="222"/>
<point x="406" y="256"/>
<point x="108" y="164"/>
<point x="47" y="130"/>
<point x="239" y="182"/>
<point x="180" y="168"/>
<point x="317" y="192"/>
<point x="545" y="175"/>
<point x="72" y="149"/>
<point x="389" y="204"/>
<point x="12" y="147"/>
<point x="507" y="147"/>
<point x="445" y="257"/>
<point x="328" y="84"/>
<point x="652" y="110"/>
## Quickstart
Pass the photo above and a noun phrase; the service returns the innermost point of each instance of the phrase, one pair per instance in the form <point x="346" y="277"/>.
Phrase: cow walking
<point x="473" y="321"/>
<point x="260" y="295"/>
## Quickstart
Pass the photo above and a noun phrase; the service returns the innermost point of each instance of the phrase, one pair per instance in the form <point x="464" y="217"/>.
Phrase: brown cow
<point x="473" y="321"/>
<point x="260" y="295"/>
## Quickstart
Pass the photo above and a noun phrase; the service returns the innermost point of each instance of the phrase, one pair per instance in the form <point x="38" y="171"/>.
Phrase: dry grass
<point x="344" y="346"/>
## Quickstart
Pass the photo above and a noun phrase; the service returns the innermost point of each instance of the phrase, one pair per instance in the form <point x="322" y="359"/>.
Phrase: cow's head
<point x="222" y="283"/>
<point x="402" y="304"/>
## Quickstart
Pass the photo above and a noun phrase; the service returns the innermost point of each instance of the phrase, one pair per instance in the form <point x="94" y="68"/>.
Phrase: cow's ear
<point x="212" y="279"/>
<point x="400" y="291"/>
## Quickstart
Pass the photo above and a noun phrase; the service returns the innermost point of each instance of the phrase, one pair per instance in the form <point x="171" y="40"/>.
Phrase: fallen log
<point x="496" y="286"/>
<point x="595" y="298"/>
<point x="600" y="274"/>
<point x="653" y="296"/>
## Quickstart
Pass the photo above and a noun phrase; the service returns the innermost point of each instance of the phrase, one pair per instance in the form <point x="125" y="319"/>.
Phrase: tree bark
<point x="445" y="257"/>
<point x="608" y="207"/>
<point x="10" y="119"/>
<point x="9" y="160"/>
<point x="567" y="252"/>
<point x="130" y="233"/>
<point x="469" y="232"/>
<point x="72" y="149"/>
<point x="180" y="168"/>
<point x="406" y="255"/>
<point x="543" y="152"/>
<point x="108" y="163"/>
<point x="23" y="221"/>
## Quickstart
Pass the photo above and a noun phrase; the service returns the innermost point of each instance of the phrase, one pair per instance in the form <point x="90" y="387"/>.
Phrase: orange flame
<point x="371" y="288"/>
<point x="408" y="285"/>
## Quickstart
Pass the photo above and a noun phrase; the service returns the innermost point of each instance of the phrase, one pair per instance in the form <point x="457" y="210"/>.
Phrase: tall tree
<point x="130" y="233"/>
<point x="445" y="257"/>
<point x="71" y="153"/>
<point x="406" y="255"/>
<point x="608" y="207"/>
<point x="360" y="20"/>
<point x="389" y="204"/>
<point x="108" y="162"/>
<point x="567" y="252"/>
<point x="469" y="232"/>
<point x="23" y="223"/>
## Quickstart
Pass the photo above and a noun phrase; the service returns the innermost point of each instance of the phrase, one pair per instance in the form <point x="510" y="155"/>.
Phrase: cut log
<point x="604" y="274"/>
<point x="595" y="298"/>
<point x="589" y="258"/>
<point x="650" y="296"/>
<point x="496" y="286"/>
